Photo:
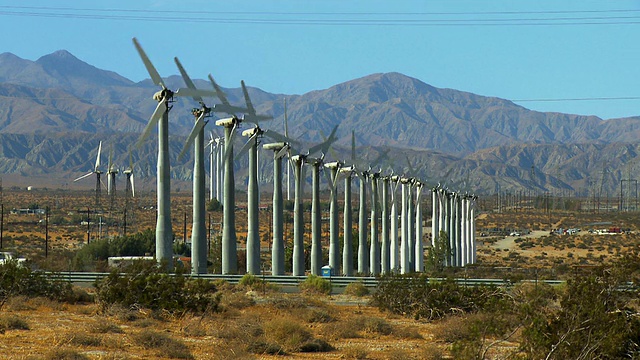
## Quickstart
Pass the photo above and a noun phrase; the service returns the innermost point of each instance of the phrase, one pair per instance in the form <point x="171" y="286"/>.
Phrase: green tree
<point x="439" y="253"/>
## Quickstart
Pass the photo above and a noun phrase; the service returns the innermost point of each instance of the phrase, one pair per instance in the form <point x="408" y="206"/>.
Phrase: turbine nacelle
<point x="162" y="95"/>
<point x="227" y="121"/>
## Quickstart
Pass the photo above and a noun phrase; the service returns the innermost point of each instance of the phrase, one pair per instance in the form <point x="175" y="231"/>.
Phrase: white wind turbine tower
<point x="316" y="216"/>
<point x="112" y="171"/>
<point x="215" y="150"/>
<point x="96" y="170"/>
<point x="129" y="189"/>
<point x="160" y="117"/>
<point x="196" y="137"/>
<point x="280" y="150"/>
<point x="253" y="236"/>
<point x="251" y="146"/>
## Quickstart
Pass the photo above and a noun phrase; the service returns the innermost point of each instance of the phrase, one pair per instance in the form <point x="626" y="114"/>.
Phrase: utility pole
<point x="46" y="232"/>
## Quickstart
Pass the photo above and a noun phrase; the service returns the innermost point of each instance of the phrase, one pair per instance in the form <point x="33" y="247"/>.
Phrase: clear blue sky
<point x="513" y="49"/>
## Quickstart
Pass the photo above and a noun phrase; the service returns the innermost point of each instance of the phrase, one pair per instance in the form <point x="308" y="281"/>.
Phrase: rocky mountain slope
<point x="53" y="112"/>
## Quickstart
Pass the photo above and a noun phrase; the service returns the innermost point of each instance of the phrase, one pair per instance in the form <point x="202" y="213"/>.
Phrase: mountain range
<point x="55" y="110"/>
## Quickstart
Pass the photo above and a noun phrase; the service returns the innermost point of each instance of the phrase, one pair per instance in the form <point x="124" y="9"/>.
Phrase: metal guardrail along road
<point x="338" y="281"/>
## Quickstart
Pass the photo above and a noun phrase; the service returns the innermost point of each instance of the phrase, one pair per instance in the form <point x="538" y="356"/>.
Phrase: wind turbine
<point x="128" y="172"/>
<point x="214" y="145"/>
<point x="418" y="246"/>
<point x="279" y="149"/>
<point x="253" y="193"/>
<point x="394" y="244"/>
<point x="298" y="223"/>
<point x="363" y="260"/>
<point x="316" y="218"/>
<point x="385" y="267"/>
<point x="196" y="137"/>
<point x="347" y="248"/>
<point x="96" y="170"/>
<point x="129" y="189"/>
<point x="216" y="159"/>
<point x="112" y="171"/>
<point x="334" y="244"/>
<point x="229" y="240"/>
<point x="160" y="117"/>
<point x="253" y="236"/>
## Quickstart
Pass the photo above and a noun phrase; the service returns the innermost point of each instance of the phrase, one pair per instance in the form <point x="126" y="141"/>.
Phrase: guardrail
<point x="337" y="281"/>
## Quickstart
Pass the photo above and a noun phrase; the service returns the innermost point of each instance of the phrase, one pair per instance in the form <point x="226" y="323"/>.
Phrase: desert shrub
<point x="82" y="339"/>
<point x="236" y="300"/>
<point x="316" y="345"/>
<point x="260" y="347"/>
<point x="355" y="353"/>
<point x="406" y="332"/>
<point x="165" y="345"/>
<point x="287" y="302"/>
<point x="593" y="313"/>
<point x="249" y="280"/>
<point x="137" y="244"/>
<point x="374" y="325"/>
<point x="431" y="352"/>
<point x="356" y="289"/>
<point x="398" y="354"/>
<point x="473" y="343"/>
<point x="105" y="327"/>
<point x="287" y="333"/>
<point x="316" y="284"/>
<point x="13" y="322"/>
<point x="417" y="296"/>
<point x="18" y="280"/>
<point x="317" y="315"/>
<point x="214" y="205"/>
<point x="146" y="285"/>
<point x="65" y="354"/>
<point x="451" y="329"/>
<point x="340" y="330"/>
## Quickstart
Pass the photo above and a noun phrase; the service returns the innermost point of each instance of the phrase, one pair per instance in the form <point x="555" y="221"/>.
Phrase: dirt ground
<point x="55" y="329"/>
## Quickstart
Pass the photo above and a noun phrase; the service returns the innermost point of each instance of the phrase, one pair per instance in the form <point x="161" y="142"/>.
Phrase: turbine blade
<point x="286" y="119"/>
<point x="155" y="117"/>
<point x="194" y="93"/>
<point x="155" y="77"/>
<point x="219" y="92"/>
<point x="133" y="188"/>
<point x="98" y="158"/>
<point x="247" y="145"/>
<point x="110" y="164"/>
<point x="187" y="79"/>
<point x="197" y="127"/>
<point x="228" y="145"/>
<point x="279" y="137"/>
<point x="83" y="176"/>
<point x="324" y="146"/>
<point x="410" y="167"/>
<point x="353" y="146"/>
<point x="280" y="154"/>
<point x="328" y="176"/>
<point x="247" y="100"/>
<point x="381" y="156"/>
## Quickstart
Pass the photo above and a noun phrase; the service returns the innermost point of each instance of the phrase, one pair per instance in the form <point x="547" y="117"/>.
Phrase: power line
<point x="358" y="13"/>
<point x="535" y="21"/>
<point x="580" y="99"/>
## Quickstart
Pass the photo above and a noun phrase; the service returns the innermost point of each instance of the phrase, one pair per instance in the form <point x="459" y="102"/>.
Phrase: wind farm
<point x="349" y="212"/>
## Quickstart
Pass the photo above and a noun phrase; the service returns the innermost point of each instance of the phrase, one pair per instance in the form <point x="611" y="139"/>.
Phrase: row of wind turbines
<point x="398" y="248"/>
